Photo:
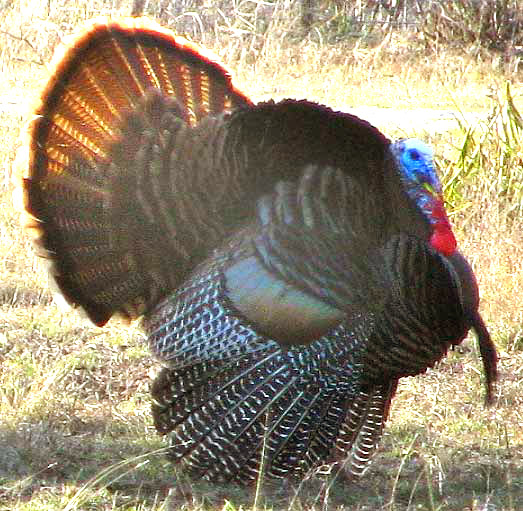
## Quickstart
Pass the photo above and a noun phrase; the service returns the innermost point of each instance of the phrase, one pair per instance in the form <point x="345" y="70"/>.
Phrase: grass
<point x="75" y="428"/>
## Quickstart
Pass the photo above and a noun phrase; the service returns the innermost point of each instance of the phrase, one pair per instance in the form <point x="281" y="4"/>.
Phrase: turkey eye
<point x="414" y="154"/>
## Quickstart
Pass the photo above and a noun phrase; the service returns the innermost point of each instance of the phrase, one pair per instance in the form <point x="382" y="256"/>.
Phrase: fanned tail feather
<point x="85" y="124"/>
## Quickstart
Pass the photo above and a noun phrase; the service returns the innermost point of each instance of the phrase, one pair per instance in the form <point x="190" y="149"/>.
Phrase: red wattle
<point x="443" y="240"/>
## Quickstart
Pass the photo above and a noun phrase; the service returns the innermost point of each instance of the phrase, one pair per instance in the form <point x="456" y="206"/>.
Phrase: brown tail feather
<point x="100" y="78"/>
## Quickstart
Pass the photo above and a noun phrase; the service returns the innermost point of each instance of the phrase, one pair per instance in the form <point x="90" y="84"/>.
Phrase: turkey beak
<point x="429" y="188"/>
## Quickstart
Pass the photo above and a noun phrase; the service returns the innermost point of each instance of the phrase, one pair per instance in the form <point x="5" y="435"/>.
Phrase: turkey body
<point x="289" y="263"/>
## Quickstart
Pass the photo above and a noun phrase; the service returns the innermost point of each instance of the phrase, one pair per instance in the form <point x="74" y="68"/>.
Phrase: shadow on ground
<point x="39" y="460"/>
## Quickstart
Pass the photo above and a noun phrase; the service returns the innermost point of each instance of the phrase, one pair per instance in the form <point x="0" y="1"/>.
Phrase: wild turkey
<point x="289" y="262"/>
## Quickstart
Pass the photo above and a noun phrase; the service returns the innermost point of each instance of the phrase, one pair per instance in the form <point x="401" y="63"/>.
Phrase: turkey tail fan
<point x="101" y="79"/>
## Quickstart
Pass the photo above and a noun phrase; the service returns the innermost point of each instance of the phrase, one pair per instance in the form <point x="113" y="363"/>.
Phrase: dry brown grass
<point x="75" y="430"/>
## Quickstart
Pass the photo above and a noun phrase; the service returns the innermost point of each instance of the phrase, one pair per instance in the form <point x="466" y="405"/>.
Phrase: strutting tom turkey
<point x="290" y="264"/>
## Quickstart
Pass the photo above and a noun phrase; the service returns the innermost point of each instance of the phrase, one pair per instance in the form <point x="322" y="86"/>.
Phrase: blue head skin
<point x="414" y="159"/>
<point x="417" y="169"/>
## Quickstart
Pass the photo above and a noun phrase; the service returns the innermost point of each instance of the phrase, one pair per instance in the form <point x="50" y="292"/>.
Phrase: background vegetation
<point x="75" y="430"/>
